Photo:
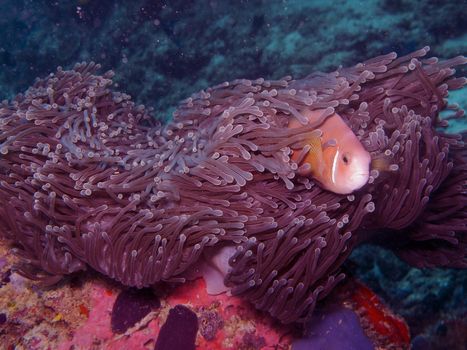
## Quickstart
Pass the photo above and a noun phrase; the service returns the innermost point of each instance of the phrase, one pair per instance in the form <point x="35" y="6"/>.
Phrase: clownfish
<point x="336" y="159"/>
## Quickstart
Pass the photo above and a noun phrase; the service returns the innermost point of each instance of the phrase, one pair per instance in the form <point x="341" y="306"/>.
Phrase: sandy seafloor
<point x="163" y="52"/>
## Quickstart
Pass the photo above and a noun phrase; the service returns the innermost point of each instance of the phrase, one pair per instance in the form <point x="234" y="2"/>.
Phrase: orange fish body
<point x="337" y="159"/>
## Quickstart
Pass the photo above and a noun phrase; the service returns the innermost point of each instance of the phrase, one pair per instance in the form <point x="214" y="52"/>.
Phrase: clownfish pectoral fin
<point x="315" y="155"/>
<point x="381" y="164"/>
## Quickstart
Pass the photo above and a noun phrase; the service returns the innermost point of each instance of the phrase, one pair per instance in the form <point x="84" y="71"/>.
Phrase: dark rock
<point x="179" y="331"/>
<point x="253" y="341"/>
<point x="5" y="277"/>
<point x="2" y="318"/>
<point x="130" y="307"/>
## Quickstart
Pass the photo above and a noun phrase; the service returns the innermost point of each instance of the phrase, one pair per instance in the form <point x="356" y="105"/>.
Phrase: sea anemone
<point x="87" y="178"/>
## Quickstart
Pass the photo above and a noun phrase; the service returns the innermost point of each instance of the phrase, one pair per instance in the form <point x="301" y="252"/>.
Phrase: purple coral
<point x="130" y="307"/>
<point x="334" y="328"/>
<point x="179" y="331"/>
<point x="89" y="179"/>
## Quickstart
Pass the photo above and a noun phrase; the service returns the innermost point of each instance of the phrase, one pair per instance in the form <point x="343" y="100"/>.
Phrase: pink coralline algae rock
<point x="188" y="318"/>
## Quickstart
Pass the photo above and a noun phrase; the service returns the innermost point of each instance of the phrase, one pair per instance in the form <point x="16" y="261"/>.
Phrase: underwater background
<point x="163" y="51"/>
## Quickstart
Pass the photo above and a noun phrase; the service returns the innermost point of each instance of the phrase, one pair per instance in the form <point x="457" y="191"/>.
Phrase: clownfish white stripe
<point x="334" y="167"/>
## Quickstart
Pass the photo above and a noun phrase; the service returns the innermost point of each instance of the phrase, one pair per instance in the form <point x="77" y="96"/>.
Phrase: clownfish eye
<point x="346" y="158"/>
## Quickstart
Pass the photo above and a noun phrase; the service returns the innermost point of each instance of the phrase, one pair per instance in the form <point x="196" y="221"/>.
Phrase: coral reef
<point x="80" y="315"/>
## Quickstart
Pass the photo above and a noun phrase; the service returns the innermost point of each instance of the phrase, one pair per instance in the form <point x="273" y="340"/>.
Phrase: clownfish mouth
<point x="358" y="180"/>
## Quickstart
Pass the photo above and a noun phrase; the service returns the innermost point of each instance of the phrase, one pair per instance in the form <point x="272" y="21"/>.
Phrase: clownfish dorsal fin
<point x="315" y="154"/>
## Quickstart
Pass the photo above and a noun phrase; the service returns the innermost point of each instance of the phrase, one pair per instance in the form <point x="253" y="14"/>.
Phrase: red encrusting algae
<point x="386" y="329"/>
